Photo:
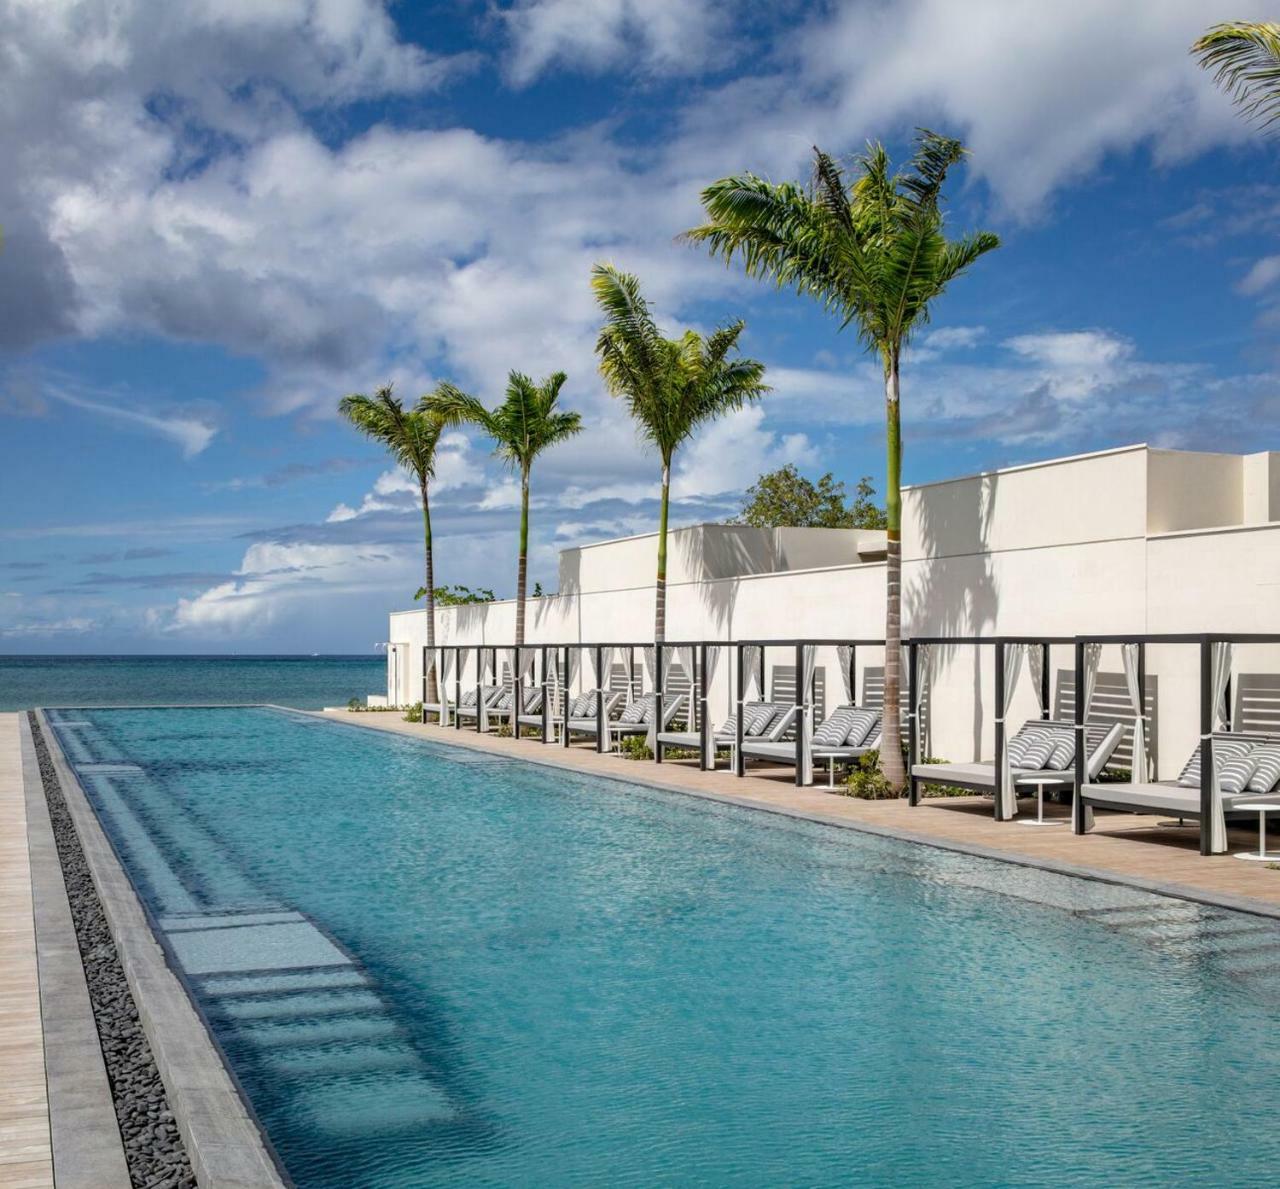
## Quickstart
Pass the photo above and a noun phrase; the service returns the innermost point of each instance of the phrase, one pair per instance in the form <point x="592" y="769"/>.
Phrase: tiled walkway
<point x="26" y="1156"/>
<point x="1124" y="847"/>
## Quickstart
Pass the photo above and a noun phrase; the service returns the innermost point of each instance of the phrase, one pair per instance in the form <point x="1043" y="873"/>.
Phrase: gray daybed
<point x="1100" y="738"/>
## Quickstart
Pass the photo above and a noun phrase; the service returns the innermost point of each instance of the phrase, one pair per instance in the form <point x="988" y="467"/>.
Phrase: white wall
<point x="1056" y="549"/>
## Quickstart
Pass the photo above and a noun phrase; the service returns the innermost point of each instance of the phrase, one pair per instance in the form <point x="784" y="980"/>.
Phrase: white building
<point x="1135" y="539"/>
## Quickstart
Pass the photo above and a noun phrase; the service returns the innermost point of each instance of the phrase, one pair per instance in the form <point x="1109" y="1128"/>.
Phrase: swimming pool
<point x="428" y="966"/>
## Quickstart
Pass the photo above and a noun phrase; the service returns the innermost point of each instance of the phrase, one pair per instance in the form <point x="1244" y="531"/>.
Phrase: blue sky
<point x="219" y="218"/>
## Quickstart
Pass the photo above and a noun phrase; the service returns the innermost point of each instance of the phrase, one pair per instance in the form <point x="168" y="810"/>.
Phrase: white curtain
<point x="1221" y="679"/>
<point x="551" y="679"/>
<point x="924" y="655"/>
<point x="845" y="654"/>
<point x="709" y="675"/>
<point x="602" y="686"/>
<point x="1035" y="662"/>
<point x="1092" y="659"/>
<point x="1013" y="658"/>
<point x="804" y="721"/>
<point x="446" y="663"/>
<point x="1221" y="661"/>
<point x="482" y="698"/>
<point x="750" y="663"/>
<point x="650" y="671"/>
<point x="1129" y="654"/>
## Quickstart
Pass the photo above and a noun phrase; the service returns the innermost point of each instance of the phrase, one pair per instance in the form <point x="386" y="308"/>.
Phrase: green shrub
<point x="633" y="747"/>
<point x="354" y="704"/>
<point x="413" y="713"/>
<point x="866" y="781"/>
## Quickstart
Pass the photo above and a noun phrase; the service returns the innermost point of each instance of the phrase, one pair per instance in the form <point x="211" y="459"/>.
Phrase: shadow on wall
<point x="706" y="557"/>
<point x="956" y="593"/>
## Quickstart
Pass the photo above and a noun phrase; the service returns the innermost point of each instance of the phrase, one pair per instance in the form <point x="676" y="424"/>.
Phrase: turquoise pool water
<point x="428" y="966"/>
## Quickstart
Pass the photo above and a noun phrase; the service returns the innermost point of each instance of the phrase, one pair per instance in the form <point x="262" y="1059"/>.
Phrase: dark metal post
<point x="999" y="814"/>
<point x="517" y="693"/>
<point x="659" y="701"/>
<point x="739" y="767"/>
<point x="479" y="684"/>
<point x="704" y="727"/>
<point x="801" y="695"/>
<point x="424" y="683"/>
<point x="631" y="671"/>
<point x="600" y="685"/>
<point x="853" y="673"/>
<point x="1045" y="708"/>
<point x="1207" y="712"/>
<point x="913" y="721"/>
<point x="1077" y="713"/>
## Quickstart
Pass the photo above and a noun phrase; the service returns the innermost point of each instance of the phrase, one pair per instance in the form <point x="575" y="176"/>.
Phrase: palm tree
<point x="1245" y="59"/>
<point x="875" y="254"/>
<point x="671" y="386"/>
<point x="522" y="427"/>
<point x="411" y="436"/>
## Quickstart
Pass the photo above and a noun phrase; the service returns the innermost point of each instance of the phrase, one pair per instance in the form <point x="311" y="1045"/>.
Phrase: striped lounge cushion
<point x="1234" y="774"/>
<point x="1224" y="749"/>
<point x="757" y="719"/>
<point x="835" y="729"/>
<point x="1266" y="770"/>
<point x="468" y="698"/>
<point x="1064" y="751"/>
<point x="863" y="723"/>
<point x="636" y="711"/>
<point x="504" y="700"/>
<point x="532" y="703"/>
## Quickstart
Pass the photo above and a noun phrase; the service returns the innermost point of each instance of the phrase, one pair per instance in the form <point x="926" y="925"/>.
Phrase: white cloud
<point x="276" y="581"/>
<point x="1038" y="99"/>
<point x="1262" y="275"/>
<point x="731" y="452"/>
<point x="661" y="36"/>
<point x="191" y="434"/>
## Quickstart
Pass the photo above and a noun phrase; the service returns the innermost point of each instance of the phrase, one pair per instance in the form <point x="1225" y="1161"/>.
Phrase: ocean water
<point x="428" y="966"/>
<point x="306" y="682"/>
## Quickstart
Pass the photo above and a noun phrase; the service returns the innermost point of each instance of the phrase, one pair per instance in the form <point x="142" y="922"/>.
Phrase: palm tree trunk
<point x="522" y="569"/>
<point x="891" y="726"/>
<point x="660" y="588"/>
<point x="433" y="688"/>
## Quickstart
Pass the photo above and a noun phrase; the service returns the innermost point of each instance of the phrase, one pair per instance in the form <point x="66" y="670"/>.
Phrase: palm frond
<point x="410" y="436"/>
<point x="1245" y="59"/>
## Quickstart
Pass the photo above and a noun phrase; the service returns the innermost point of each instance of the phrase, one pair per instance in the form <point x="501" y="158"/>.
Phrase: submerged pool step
<point x="370" y="1105"/>
<point x="301" y="1005"/>
<point x="278" y="1034"/>
<point x="337" y="1059"/>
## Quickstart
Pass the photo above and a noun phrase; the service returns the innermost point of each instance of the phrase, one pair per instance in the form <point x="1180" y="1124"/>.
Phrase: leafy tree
<point x="1245" y="59"/>
<point x="670" y="386"/>
<point x="874" y="253"/>
<point x="457" y="596"/>
<point x="786" y="499"/>
<point x="522" y="427"/>
<point x="411" y="437"/>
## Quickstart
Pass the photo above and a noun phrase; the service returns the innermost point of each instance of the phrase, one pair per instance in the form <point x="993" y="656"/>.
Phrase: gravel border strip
<point x="153" y="1149"/>
<point x="210" y="1138"/>
<point x="88" y="1151"/>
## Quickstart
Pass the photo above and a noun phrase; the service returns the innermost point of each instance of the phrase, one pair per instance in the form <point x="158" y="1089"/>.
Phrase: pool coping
<point x="1167" y="888"/>
<point x="226" y="1147"/>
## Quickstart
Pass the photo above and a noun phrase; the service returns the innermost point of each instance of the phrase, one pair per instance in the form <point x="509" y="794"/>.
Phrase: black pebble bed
<point x="153" y="1148"/>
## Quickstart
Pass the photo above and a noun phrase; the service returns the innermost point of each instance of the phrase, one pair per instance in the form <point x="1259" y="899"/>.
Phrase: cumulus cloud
<point x="658" y="36"/>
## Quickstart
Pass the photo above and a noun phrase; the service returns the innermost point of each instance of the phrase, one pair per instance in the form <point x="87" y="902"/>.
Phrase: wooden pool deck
<point x="1123" y="848"/>
<point x="26" y="1148"/>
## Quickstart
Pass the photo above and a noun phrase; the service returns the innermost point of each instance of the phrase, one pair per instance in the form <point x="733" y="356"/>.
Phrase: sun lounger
<point x="582" y="713"/>
<point x="468" y="710"/>
<point x="847" y="733"/>
<point x="1248" y="774"/>
<point x="1055" y="771"/>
